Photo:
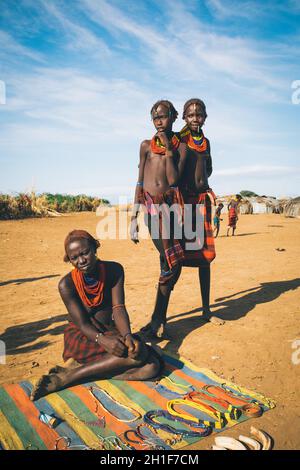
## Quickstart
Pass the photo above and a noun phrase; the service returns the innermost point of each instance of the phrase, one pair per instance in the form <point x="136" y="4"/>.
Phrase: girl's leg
<point x="108" y="367"/>
<point x="204" y="279"/>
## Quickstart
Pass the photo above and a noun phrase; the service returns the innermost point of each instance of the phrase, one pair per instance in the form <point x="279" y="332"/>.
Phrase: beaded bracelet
<point x="117" y="306"/>
<point x="98" y="336"/>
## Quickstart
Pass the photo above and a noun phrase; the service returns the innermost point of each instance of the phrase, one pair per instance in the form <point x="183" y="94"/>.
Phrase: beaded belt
<point x="220" y="419"/>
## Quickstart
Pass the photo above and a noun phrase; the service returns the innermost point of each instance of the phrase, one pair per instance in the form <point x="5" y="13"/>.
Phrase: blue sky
<point x="81" y="78"/>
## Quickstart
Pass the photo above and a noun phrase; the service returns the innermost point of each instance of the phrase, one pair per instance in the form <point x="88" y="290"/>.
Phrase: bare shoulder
<point x="114" y="272"/>
<point x="66" y="284"/>
<point x="145" y="145"/>
<point x="116" y="269"/>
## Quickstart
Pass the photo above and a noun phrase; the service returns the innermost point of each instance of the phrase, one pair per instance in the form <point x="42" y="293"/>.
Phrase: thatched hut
<point x="245" y="206"/>
<point x="292" y="208"/>
<point x="283" y="201"/>
<point x="264" y="205"/>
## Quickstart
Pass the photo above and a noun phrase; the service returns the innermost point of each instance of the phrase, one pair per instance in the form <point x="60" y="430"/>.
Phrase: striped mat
<point x="78" y="411"/>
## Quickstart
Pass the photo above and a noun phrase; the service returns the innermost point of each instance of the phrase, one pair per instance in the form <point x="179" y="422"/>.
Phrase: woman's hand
<point x="114" y="345"/>
<point x="133" y="346"/>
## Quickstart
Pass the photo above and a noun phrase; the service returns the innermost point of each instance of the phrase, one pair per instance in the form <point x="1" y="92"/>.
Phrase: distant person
<point x="217" y="219"/>
<point x="98" y="338"/>
<point x="198" y="195"/>
<point x="233" y="207"/>
<point x="162" y="160"/>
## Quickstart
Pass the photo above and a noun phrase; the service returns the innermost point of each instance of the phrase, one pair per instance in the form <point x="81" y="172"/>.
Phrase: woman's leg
<point x="108" y="367"/>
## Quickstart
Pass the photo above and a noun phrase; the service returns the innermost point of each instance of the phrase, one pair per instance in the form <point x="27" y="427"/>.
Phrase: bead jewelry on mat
<point x="98" y="423"/>
<point x="177" y="384"/>
<point x="111" y="443"/>
<point x="175" y="437"/>
<point x="169" y="441"/>
<point x="246" y="406"/>
<point x="151" y="415"/>
<point x="219" y="417"/>
<point x="179" y="419"/>
<point x="232" y="412"/>
<point x="150" y="439"/>
<point x="256" y="397"/>
<point x="142" y="440"/>
<point x="162" y="388"/>
<point x="130" y="440"/>
<point x="128" y="408"/>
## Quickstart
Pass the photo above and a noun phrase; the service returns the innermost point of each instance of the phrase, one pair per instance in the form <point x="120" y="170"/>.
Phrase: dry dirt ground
<point x="255" y="288"/>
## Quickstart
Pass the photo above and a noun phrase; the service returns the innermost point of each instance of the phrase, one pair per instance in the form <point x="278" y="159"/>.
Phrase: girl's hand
<point x="113" y="345"/>
<point x="164" y="140"/>
<point x="133" y="346"/>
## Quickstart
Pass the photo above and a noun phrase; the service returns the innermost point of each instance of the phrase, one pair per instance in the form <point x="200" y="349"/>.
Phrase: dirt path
<point x="255" y="288"/>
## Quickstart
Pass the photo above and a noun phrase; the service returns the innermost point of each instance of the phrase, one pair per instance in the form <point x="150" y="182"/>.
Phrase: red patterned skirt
<point x="80" y="348"/>
<point x="203" y="256"/>
<point x="232" y="217"/>
<point x="169" y="248"/>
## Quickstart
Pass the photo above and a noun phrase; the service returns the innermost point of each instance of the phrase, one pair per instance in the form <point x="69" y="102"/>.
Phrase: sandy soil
<point x="255" y="288"/>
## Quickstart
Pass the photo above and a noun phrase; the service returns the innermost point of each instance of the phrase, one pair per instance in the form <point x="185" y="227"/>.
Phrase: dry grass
<point x="25" y="205"/>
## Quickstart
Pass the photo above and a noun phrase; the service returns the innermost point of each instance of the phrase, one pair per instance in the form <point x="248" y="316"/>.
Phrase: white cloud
<point x="101" y="108"/>
<point x="79" y="38"/>
<point x="229" y="9"/>
<point x="190" y="50"/>
<point x="13" y="50"/>
<point x="77" y="105"/>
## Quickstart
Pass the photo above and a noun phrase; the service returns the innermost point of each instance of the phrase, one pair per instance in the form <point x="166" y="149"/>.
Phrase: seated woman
<point x="98" y="338"/>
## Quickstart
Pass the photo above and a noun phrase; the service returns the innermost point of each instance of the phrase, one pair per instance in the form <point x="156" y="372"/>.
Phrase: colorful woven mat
<point x="79" y="412"/>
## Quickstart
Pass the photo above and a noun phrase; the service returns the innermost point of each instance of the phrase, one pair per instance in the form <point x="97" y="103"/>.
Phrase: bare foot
<point x="48" y="383"/>
<point x="155" y="331"/>
<point x="69" y="364"/>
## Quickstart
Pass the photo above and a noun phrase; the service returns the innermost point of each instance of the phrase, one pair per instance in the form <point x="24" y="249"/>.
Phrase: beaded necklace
<point x="219" y="417"/>
<point x="128" y="408"/>
<point x="195" y="142"/>
<point x="159" y="148"/>
<point x="151" y="415"/>
<point x="91" y="293"/>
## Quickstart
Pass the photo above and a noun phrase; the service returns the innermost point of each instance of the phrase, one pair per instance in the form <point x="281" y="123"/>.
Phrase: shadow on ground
<point x="228" y="308"/>
<point x="27" y="279"/>
<point x="17" y="337"/>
